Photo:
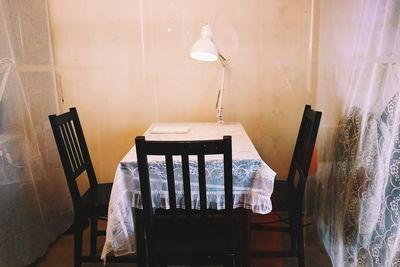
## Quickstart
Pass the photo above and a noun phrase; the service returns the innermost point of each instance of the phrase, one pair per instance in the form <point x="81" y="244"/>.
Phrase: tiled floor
<point x="60" y="253"/>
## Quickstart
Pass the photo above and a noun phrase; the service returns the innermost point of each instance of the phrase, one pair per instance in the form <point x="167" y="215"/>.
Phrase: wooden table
<point x="252" y="180"/>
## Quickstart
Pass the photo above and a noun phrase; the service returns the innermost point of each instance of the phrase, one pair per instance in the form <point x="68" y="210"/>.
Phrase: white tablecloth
<point x="253" y="180"/>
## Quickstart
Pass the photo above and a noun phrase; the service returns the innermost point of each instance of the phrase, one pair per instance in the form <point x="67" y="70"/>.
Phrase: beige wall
<point x="125" y="64"/>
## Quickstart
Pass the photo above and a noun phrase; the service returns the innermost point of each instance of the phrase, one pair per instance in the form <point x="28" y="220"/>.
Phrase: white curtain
<point x="359" y="141"/>
<point x="35" y="205"/>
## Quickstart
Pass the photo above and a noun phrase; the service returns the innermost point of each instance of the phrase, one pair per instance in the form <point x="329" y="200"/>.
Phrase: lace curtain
<point x="35" y="206"/>
<point x="359" y="141"/>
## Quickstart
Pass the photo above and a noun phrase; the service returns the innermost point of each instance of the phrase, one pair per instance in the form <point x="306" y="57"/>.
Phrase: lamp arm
<point x="222" y="59"/>
<point x="220" y="98"/>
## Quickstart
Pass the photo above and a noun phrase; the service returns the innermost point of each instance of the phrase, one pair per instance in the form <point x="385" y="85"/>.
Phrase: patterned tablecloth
<point x="253" y="180"/>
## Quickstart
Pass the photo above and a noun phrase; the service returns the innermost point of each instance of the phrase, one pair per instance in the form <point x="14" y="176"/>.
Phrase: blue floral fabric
<point x="246" y="179"/>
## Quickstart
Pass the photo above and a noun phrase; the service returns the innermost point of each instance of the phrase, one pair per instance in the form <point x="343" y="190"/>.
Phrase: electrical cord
<point x="281" y="219"/>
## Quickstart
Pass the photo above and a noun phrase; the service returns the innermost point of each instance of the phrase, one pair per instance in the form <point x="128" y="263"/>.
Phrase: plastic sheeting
<point x="125" y="64"/>
<point x="35" y="206"/>
<point x="358" y="91"/>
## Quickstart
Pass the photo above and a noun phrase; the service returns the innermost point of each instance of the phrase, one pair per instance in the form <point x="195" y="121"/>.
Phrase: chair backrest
<point x="302" y="155"/>
<point x="184" y="149"/>
<point x="74" y="154"/>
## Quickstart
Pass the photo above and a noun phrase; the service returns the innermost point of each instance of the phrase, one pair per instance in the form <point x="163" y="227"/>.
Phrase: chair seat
<point x="95" y="200"/>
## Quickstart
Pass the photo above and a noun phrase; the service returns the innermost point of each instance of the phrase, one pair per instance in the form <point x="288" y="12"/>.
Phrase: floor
<point x="60" y="253"/>
<point x="315" y="254"/>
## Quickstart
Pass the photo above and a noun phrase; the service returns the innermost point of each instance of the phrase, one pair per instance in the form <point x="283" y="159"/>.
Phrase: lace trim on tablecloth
<point x="253" y="183"/>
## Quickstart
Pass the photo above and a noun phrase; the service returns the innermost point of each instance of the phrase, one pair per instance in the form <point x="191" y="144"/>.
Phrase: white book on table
<point x="170" y="130"/>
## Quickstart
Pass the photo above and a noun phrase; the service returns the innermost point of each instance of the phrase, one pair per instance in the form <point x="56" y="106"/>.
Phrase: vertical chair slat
<point x="74" y="146"/>
<point x="144" y="177"/>
<point x="67" y="143"/>
<point x="228" y="174"/>
<point x="171" y="182"/>
<point x="77" y="145"/>
<point x="71" y="145"/>
<point x="202" y="182"/>
<point x="186" y="182"/>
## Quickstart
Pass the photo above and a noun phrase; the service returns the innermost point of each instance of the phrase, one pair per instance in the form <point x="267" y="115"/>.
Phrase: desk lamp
<point x="205" y="50"/>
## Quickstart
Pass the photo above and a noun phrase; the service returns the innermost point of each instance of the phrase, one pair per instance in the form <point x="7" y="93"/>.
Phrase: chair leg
<point x="152" y="262"/>
<point x="244" y="241"/>
<point x="93" y="236"/>
<point x="300" y="242"/>
<point x="246" y="237"/>
<point x="78" y="246"/>
<point x="293" y="231"/>
<point x="140" y="238"/>
<point x="230" y="263"/>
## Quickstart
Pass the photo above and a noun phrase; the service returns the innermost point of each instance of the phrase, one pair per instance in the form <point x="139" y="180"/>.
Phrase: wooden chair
<point x="185" y="235"/>
<point x="93" y="204"/>
<point x="288" y="195"/>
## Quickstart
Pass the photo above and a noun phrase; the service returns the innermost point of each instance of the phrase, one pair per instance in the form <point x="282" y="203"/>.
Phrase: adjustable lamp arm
<point x="220" y="97"/>
<point x="222" y="59"/>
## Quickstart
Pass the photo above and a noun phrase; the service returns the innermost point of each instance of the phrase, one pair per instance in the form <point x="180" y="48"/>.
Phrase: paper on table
<point x="170" y="130"/>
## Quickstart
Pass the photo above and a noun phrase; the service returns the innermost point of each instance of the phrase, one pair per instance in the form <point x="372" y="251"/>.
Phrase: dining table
<point x="253" y="180"/>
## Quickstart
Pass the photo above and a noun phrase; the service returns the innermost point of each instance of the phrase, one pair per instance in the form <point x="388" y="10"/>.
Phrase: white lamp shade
<point x="205" y="49"/>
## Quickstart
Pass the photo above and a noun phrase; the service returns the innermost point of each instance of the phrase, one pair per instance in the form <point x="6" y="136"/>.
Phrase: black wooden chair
<point x="288" y="195"/>
<point x="93" y="204"/>
<point x="186" y="235"/>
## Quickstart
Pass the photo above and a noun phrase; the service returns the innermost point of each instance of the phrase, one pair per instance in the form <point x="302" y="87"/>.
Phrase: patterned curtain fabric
<point x="358" y="90"/>
<point x="35" y="205"/>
